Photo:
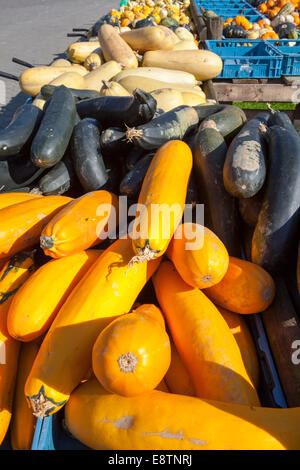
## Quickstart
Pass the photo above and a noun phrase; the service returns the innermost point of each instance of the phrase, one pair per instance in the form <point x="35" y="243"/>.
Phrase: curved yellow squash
<point x="163" y="421"/>
<point x="162" y="200"/>
<point x="13" y="275"/>
<point x="108" y="290"/>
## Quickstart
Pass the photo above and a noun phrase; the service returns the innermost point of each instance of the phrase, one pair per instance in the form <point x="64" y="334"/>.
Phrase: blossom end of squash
<point x="42" y="406"/>
<point x="46" y="242"/>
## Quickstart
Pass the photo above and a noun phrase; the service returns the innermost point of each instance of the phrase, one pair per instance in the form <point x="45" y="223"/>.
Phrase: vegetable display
<point x="149" y="243"/>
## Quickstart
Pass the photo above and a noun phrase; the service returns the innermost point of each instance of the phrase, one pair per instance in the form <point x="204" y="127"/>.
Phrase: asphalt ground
<point x="36" y="31"/>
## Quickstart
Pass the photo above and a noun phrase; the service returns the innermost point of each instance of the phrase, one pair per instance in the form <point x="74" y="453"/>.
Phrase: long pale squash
<point x="162" y="197"/>
<point x="203" y="340"/>
<point x="204" y="65"/>
<point x="9" y="199"/>
<point x="70" y="79"/>
<point x="149" y="38"/>
<point x="79" y="51"/>
<point x="159" y="73"/>
<point x="167" y="99"/>
<point x="84" y="222"/>
<point x="115" y="48"/>
<point x="32" y="79"/>
<point x="245" y="288"/>
<point x="163" y="421"/>
<point x="94" y="80"/>
<point x="241" y="332"/>
<point x="23" y="422"/>
<point x="21" y="224"/>
<point x="107" y="291"/>
<point x="132" y="82"/>
<point x="177" y="377"/>
<point x="38" y="301"/>
<point x="13" y="275"/>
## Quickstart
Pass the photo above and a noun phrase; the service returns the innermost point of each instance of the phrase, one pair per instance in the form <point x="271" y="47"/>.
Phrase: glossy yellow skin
<point x="165" y="421"/>
<point x="177" y="377"/>
<point x="108" y="290"/>
<point x="198" y="254"/>
<point x="38" y="301"/>
<point x="21" y="224"/>
<point x="203" y="340"/>
<point x="241" y="332"/>
<point x="142" y="338"/>
<point x="12" y="276"/>
<point x="23" y="421"/>
<point x="9" y="199"/>
<point x="163" y="194"/>
<point x="245" y="288"/>
<point x="80" y="224"/>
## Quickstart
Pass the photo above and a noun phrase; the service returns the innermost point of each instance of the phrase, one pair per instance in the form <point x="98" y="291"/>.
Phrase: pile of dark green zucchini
<point x="247" y="174"/>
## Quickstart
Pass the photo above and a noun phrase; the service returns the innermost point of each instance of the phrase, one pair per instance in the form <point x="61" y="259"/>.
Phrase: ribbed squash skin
<point x="80" y="225"/>
<point x="198" y="254"/>
<point x="132" y="354"/>
<point x="163" y="192"/>
<point x="203" y="340"/>
<point x="107" y="291"/>
<point x="13" y="275"/>
<point x="9" y="199"/>
<point x="177" y="377"/>
<point x="163" y="421"/>
<point x="245" y="288"/>
<point x="21" y="224"/>
<point x="23" y="421"/>
<point x="38" y="301"/>
<point x="241" y="332"/>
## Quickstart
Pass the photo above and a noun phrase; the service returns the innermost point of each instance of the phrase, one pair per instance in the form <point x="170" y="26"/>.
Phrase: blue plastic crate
<point x="247" y="59"/>
<point x="290" y="53"/>
<point x="229" y="9"/>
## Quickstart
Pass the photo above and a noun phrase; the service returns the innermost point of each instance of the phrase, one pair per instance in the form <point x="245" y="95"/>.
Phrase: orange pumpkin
<point x="270" y="4"/>
<point x="203" y="340"/>
<point x="198" y="254"/>
<point x="80" y="225"/>
<point x="270" y="35"/>
<point x="262" y="8"/>
<point x="245" y="288"/>
<point x="132" y="354"/>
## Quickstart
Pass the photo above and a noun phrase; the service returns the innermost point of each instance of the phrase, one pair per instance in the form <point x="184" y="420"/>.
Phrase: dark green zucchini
<point x="86" y="155"/>
<point x="277" y="230"/>
<point x="134" y="155"/>
<point x="19" y="131"/>
<point x="16" y="172"/>
<point x="280" y="118"/>
<point x="59" y="179"/>
<point x="192" y="196"/>
<point x="48" y="90"/>
<point x="131" y="184"/>
<point x="119" y="111"/>
<point x="249" y="208"/>
<point x="113" y="143"/>
<point x="52" y="138"/>
<point x="172" y="125"/>
<point x="229" y="121"/>
<point x="219" y="207"/>
<point x="244" y="170"/>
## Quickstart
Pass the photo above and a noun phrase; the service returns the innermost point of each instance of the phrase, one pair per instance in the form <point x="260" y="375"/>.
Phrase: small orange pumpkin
<point x="132" y="354"/>
<point x="262" y="8"/>
<point x="245" y="288"/>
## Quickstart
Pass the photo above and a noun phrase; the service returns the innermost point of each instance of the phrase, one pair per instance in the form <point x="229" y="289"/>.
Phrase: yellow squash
<point x="107" y="291"/>
<point x="165" y="421"/>
<point x="12" y="276"/>
<point x="162" y="197"/>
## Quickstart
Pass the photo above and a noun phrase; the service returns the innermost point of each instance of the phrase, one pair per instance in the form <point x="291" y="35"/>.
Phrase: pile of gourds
<point x="123" y="325"/>
<point x="99" y="341"/>
<point x="281" y="22"/>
